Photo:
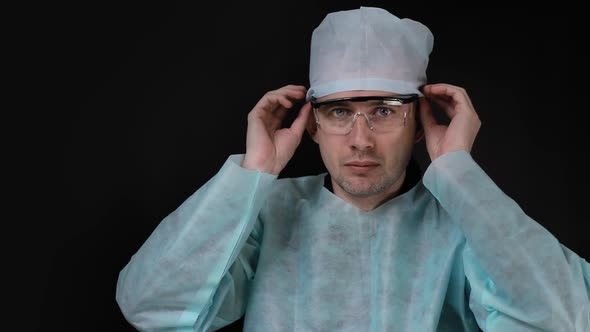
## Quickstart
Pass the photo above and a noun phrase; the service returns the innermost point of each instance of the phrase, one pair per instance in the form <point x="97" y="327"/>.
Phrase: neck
<point x="368" y="203"/>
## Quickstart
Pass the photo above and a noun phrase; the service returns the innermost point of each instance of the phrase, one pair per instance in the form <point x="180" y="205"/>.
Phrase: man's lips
<point x="361" y="166"/>
<point x="361" y="163"/>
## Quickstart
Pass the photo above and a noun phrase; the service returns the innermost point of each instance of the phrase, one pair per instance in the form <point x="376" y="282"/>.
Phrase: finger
<point x="273" y="101"/>
<point x="292" y="91"/>
<point x="459" y="99"/>
<point x="289" y="94"/>
<point x="292" y="87"/>
<point x="283" y="101"/>
<point x="300" y="122"/>
<point x="446" y="105"/>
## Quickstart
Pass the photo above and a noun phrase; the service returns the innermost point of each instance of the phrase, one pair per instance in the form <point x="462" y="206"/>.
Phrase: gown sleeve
<point x="193" y="271"/>
<point x="521" y="277"/>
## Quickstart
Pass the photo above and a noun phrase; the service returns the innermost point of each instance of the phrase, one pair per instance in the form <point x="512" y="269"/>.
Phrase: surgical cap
<point x="368" y="49"/>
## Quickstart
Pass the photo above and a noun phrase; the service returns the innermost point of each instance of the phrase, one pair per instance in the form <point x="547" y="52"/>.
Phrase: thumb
<point x="300" y="122"/>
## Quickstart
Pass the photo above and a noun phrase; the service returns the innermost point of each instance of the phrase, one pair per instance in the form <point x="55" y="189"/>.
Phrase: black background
<point x="129" y="108"/>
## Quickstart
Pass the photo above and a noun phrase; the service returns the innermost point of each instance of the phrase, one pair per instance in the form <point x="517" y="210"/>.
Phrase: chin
<point x="362" y="187"/>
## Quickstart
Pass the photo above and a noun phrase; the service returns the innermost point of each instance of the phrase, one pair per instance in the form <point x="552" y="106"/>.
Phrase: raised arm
<point x="521" y="277"/>
<point x="193" y="272"/>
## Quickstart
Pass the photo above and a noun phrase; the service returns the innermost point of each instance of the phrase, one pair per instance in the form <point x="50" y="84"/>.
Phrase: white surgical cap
<point x="368" y="49"/>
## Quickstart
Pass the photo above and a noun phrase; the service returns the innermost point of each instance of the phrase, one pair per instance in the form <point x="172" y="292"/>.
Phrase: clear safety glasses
<point x="384" y="113"/>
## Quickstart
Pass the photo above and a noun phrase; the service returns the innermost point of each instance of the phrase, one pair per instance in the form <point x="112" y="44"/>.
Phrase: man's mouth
<point x="361" y="165"/>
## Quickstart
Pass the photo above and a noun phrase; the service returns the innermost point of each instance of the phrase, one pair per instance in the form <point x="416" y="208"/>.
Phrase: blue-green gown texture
<point x="453" y="253"/>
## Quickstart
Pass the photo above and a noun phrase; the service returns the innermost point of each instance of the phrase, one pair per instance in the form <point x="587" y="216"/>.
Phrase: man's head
<point x="367" y="143"/>
<point x="370" y="154"/>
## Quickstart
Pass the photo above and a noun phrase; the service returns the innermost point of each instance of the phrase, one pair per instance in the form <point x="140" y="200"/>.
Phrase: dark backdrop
<point x="142" y="104"/>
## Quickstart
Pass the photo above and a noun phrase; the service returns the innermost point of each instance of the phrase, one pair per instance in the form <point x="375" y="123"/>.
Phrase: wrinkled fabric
<point x="451" y="254"/>
<point x="368" y="49"/>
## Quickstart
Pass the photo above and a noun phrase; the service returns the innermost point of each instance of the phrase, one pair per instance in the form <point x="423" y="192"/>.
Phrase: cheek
<point x="398" y="147"/>
<point x="329" y="152"/>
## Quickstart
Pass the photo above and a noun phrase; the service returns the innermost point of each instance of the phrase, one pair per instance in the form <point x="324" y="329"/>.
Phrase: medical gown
<point x="453" y="253"/>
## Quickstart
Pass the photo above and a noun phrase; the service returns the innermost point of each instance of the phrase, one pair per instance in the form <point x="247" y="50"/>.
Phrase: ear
<point x="312" y="127"/>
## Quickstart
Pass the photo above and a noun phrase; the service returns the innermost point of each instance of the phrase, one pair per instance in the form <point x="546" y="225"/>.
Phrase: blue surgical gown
<point x="450" y="254"/>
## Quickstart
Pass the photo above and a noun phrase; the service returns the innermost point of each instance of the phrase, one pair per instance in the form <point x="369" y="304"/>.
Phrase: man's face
<point x="363" y="162"/>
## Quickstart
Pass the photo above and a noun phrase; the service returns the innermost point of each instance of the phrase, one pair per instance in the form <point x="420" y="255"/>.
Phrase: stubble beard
<point x="365" y="190"/>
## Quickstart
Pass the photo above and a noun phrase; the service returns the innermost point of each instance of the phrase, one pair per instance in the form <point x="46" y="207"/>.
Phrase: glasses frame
<point x="404" y="99"/>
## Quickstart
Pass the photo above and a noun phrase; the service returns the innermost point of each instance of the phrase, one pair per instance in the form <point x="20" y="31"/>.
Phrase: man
<point x="370" y="246"/>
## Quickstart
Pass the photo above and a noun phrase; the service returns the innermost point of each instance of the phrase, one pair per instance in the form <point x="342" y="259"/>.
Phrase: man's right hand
<point x="268" y="146"/>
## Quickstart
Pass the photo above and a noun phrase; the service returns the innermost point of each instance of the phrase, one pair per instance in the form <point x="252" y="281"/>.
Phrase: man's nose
<point x="361" y="135"/>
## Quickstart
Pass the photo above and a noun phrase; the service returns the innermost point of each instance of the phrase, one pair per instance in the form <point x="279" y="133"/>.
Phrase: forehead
<point x="356" y="93"/>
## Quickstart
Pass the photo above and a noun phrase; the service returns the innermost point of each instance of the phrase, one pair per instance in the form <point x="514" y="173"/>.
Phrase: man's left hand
<point x="460" y="134"/>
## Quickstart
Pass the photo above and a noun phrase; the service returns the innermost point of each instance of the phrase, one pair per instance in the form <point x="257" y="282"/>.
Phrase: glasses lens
<point x="382" y="115"/>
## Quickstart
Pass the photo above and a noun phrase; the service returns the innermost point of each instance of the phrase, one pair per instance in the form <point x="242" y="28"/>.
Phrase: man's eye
<point x="338" y="112"/>
<point x="383" y="111"/>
